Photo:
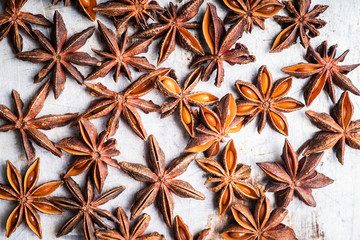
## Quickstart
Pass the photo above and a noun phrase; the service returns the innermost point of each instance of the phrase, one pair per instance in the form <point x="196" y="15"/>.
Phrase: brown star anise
<point x="93" y="149"/>
<point x="215" y="126"/>
<point x="119" y="57"/>
<point x="28" y="125"/>
<point x="125" y="232"/>
<point x="161" y="181"/>
<point x="86" y="208"/>
<point x="337" y="129"/>
<point x="324" y="69"/>
<point x="182" y="231"/>
<point x="13" y="18"/>
<point x="182" y="98"/>
<point x="294" y="175"/>
<point x="267" y="99"/>
<point x="300" y="24"/>
<point x="228" y="176"/>
<point x="28" y="197"/>
<point x="59" y="55"/>
<point x="87" y="6"/>
<point x="219" y="42"/>
<point x="174" y="25"/>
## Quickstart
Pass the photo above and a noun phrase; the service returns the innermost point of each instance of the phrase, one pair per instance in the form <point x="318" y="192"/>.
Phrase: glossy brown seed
<point x="182" y="231"/>
<point x="87" y="6"/>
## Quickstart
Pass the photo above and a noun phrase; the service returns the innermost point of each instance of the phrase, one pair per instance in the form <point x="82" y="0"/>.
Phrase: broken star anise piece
<point x="183" y="98"/>
<point x="294" y="176"/>
<point x="228" y="176"/>
<point x="182" y="231"/>
<point x="87" y="6"/>
<point x="59" y="55"/>
<point x="300" y="24"/>
<point x="29" y="198"/>
<point x="325" y="72"/>
<point x="267" y="99"/>
<point x="161" y="181"/>
<point x="219" y="42"/>
<point x="28" y="125"/>
<point x="337" y="129"/>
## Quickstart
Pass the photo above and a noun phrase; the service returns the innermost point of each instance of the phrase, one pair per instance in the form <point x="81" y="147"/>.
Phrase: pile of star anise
<point x="208" y="125"/>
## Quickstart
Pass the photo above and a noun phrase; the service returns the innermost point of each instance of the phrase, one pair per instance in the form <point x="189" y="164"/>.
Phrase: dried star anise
<point x="86" y="208"/>
<point x="294" y="175"/>
<point x="337" y="129"/>
<point x="60" y="55"/>
<point x="174" y="25"/>
<point x="228" y="176"/>
<point x="219" y="42"/>
<point x="87" y="6"/>
<point x="300" y="24"/>
<point x="125" y="232"/>
<point x="29" y="198"/>
<point x="324" y="69"/>
<point x="215" y="126"/>
<point x="161" y="181"/>
<point x="119" y="57"/>
<point x="182" y="231"/>
<point x="182" y="98"/>
<point x="13" y="18"/>
<point x="92" y="150"/>
<point x="266" y="99"/>
<point x="28" y="125"/>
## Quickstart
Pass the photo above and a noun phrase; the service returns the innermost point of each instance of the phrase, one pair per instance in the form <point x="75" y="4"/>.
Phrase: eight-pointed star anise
<point x="28" y="125"/>
<point x="219" y="42"/>
<point x="161" y="181"/>
<point x="59" y="55"/>
<point x="87" y="6"/>
<point x="325" y="72"/>
<point x="29" y="198"/>
<point x="294" y="176"/>
<point x="92" y="149"/>
<point x="228" y="176"/>
<point x="267" y="99"/>
<point x="182" y="231"/>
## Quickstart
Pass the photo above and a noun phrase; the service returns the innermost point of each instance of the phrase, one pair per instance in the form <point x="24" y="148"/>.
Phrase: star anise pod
<point x="324" y="69"/>
<point x="294" y="175"/>
<point x="127" y="233"/>
<point x="86" y="207"/>
<point x="182" y="97"/>
<point x="29" y="198"/>
<point x="252" y="12"/>
<point x="337" y="129"/>
<point x="215" y="126"/>
<point x="228" y="176"/>
<point x="267" y="99"/>
<point x="219" y="42"/>
<point x="13" y="18"/>
<point x="123" y="103"/>
<point x="174" y="25"/>
<point x="119" y="57"/>
<point x="87" y="6"/>
<point x="260" y="224"/>
<point x="301" y="23"/>
<point x="28" y="125"/>
<point x="161" y="181"/>
<point x="182" y="231"/>
<point x="60" y="54"/>
<point x="92" y="149"/>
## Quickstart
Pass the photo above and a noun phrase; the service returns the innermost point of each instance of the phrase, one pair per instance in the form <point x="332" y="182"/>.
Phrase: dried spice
<point x="29" y="198"/>
<point x="13" y="18"/>
<point x="294" y="175"/>
<point x="267" y="99"/>
<point x="28" y="125"/>
<point x="219" y="42"/>
<point x="86" y="207"/>
<point x="161" y="181"/>
<point x="228" y="176"/>
<point x="59" y="55"/>
<point x="337" y="129"/>
<point x="183" y="98"/>
<point x="87" y="6"/>
<point x="324" y="69"/>
<point x="125" y="232"/>
<point x="92" y="149"/>
<point x="301" y="23"/>
<point x="182" y="231"/>
<point x="174" y="25"/>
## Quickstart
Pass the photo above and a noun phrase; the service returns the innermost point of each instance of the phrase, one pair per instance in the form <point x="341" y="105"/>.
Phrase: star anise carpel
<point x="87" y="6"/>
<point x="182" y="231"/>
